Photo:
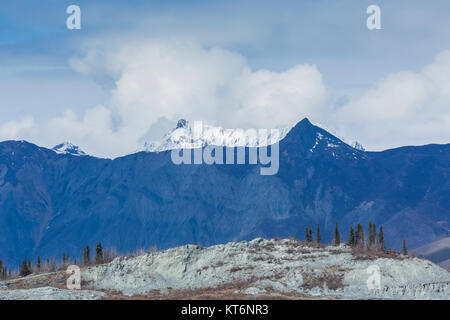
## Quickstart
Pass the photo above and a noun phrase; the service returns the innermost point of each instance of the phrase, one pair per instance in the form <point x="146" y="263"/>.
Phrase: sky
<point x="135" y="67"/>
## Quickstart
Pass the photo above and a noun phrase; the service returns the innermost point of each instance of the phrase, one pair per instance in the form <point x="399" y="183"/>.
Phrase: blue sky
<point x="39" y="82"/>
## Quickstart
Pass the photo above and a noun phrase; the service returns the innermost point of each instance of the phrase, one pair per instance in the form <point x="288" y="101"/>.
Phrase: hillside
<point x="261" y="268"/>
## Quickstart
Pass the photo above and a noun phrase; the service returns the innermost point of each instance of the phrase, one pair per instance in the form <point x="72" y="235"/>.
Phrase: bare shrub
<point x="364" y="253"/>
<point x="239" y="268"/>
<point x="260" y="258"/>
<point x="332" y="280"/>
<point x="235" y="269"/>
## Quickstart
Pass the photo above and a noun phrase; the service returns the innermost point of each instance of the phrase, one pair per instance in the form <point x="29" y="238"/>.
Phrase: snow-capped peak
<point x="68" y="148"/>
<point x="188" y="136"/>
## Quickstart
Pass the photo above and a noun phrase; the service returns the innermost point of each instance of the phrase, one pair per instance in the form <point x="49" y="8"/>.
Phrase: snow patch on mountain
<point x="356" y="145"/>
<point x="68" y="148"/>
<point x="326" y="142"/>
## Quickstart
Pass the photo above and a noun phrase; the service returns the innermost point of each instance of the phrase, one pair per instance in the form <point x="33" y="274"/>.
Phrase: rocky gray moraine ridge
<point x="260" y="267"/>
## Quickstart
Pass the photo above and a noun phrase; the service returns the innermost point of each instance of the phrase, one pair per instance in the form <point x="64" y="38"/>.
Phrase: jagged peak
<point x="181" y="124"/>
<point x="68" y="148"/>
<point x="305" y="121"/>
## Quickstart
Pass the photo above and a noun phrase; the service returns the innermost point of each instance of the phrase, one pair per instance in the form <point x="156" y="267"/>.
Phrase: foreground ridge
<point x="261" y="268"/>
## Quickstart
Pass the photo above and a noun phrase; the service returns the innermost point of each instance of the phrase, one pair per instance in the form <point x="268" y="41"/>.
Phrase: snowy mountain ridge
<point x="188" y="136"/>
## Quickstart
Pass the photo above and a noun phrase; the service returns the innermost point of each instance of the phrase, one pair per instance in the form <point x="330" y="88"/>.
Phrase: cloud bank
<point x="405" y="108"/>
<point x="164" y="80"/>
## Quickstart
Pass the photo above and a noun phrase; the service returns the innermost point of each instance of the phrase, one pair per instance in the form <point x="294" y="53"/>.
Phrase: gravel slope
<point x="49" y="293"/>
<point x="262" y="266"/>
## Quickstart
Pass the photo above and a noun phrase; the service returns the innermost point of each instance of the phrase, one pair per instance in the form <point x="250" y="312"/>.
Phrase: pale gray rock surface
<point x="49" y="293"/>
<point x="273" y="266"/>
<point x="260" y="267"/>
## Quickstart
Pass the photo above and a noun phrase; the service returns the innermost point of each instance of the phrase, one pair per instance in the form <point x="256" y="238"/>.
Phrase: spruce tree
<point x="24" y="270"/>
<point x="359" y="235"/>
<point x="363" y="239"/>
<point x="86" y="255"/>
<point x="381" y="239"/>
<point x="99" y="253"/>
<point x="38" y="264"/>
<point x="374" y="234"/>
<point x="337" y="236"/>
<point x="369" y="236"/>
<point x="306" y="235"/>
<point x="351" y="237"/>
<point x="2" y="271"/>
<point x="404" y="250"/>
<point x="310" y="235"/>
<point x="106" y="254"/>
<point x="318" y="238"/>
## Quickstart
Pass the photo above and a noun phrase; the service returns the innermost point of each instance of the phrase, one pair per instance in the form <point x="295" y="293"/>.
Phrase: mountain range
<point x="57" y="200"/>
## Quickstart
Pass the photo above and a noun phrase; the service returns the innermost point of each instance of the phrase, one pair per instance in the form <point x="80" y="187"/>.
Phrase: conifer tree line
<point x="27" y="267"/>
<point x="356" y="237"/>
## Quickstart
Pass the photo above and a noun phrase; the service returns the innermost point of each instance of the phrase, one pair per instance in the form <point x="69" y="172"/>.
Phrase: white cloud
<point x="405" y="108"/>
<point x="13" y="129"/>
<point x="181" y="78"/>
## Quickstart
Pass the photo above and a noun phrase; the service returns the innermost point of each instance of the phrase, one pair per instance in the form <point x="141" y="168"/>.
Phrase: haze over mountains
<point x="437" y="251"/>
<point x="52" y="201"/>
